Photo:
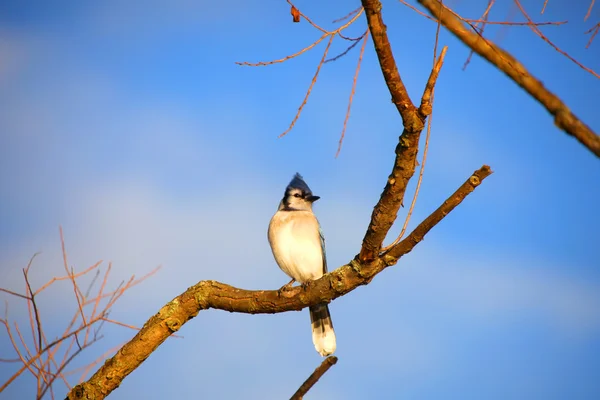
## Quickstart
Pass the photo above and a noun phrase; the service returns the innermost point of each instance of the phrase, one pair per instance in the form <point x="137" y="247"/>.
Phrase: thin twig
<point x="304" y="50"/>
<point x="514" y="23"/>
<point x="15" y="294"/>
<point x="337" y="32"/>
<point x="484" y="20"/>
<point x="426" y="100"/>
<point x="347" y="49"/>
<point x="359" y="11"/>
<point x="98" y="297"/>
<point x="589" y="11"/>
<point x="594" y="28"/>
<point x="38" y="322"/>
<point x="545" y="39"/>
<point x="51" y="361"/>
<point x="312" y="83"/>
<point x="356" y="72"/>
<point x="62" y="278"/>
<point x="25" y="363"/>
<point x="417" y="10"/>
<point x="475" y="21"/>
<point x="314" y="377"/>
<point x="43" y="364"/>
<point x="91" y="285"/>
<point x="10" y="360"/>
<point x="24" y="344"/>
<point x="563" y="117"/>
<point x="351" y="13"/>
<point x="71" y="275"/>
<point x="64" y="365"/>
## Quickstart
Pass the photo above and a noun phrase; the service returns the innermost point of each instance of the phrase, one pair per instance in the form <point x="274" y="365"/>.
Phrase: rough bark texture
<point x="386" y="210"/>
<point x="563" y="117"/>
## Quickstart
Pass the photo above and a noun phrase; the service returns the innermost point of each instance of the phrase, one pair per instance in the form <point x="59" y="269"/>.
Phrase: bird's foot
<point x="305" y="285"/>
<point x="287" y="287"/>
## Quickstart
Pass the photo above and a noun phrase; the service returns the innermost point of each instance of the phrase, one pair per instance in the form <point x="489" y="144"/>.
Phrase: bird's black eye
<point x="297" y="195"/>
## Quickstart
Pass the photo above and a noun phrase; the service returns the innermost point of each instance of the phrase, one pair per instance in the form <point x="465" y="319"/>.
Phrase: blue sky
<point x="129" y="124"/>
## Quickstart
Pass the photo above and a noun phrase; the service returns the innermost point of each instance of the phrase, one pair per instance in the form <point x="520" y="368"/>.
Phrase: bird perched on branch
<point x="299" y="248"/>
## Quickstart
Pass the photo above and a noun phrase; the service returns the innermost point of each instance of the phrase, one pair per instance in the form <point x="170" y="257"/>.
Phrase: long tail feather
<point x="322" y="329"/>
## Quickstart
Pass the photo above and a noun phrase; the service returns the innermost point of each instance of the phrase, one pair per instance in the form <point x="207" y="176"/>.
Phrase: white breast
<point x="296" y="244"/>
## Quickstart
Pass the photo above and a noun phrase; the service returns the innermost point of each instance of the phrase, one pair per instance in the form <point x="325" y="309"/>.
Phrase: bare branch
<point x="356" y="72"/>
<point x="343" y="53"/>
<point x="60" y="369"/>
<point x="325" y="32"/>
<point x="487" y="22"/>
<point x="484" y="23"/>
<point x="15" y="294"/>
<point x="351" y="13"/>
<point x="513" y="23"/>
<point x="304" y="50"/>
<point x="594" y="31"/>
<point x="426" y="100"/>
<point x="563" y="117"/>
<point x="38" y="322"/>
<point x="538" y="32"/>
<point x="426" y="106"/>
<point x="385" y="212"/>
<point x="312" y="84"/>
<point x="589" y="11"/>
<point x="41" y="361"/>
<point x="61" y="278"/>
<point x="212" y="294"/>
<point x="450" y="204"/>
<point x="386" y="59"/>
<point x="314" y="377"/>
<point x="417" y="10"/>
<point x="71" y="275"/>
<point x="332" y="34"/>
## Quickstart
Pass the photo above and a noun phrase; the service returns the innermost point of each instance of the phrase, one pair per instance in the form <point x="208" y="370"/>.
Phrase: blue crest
<point x="298" y="183"/>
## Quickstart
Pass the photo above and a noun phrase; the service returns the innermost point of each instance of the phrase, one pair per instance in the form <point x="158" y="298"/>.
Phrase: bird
<point x="298" y="246"/>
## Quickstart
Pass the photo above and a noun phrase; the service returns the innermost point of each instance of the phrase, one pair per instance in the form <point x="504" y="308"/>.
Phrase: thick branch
<point x="386" y="210"/>
<point x="386" y="59"/>
<point x="563" y="117"/>
<point x="216" y="295"/>
<point x="314" y="377"/>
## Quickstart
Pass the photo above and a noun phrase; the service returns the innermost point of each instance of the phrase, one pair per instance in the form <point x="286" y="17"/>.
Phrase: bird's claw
<point x="306" y="285"/>
<point x="287" y="287"/>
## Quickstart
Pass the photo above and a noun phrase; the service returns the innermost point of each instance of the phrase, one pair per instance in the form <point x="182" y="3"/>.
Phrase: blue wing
<point x="323" y="250"/>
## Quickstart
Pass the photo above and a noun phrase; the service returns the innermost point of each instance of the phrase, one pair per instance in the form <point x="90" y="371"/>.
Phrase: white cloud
<point x="506" y="287"/>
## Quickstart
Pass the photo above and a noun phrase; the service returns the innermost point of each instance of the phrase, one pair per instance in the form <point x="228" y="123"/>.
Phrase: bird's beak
<point x="312" y="199"/>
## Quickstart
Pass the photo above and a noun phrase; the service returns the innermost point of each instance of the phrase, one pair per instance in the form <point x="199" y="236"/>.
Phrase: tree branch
<point x="405" y="246"/>
<point x="426" y="108"/>
<point x="211" y="294"/>
<point x="563" y="117"/>
<point x="386" y="59"/>
<point x="386" y="210"/>
<point x="314" y="377"/>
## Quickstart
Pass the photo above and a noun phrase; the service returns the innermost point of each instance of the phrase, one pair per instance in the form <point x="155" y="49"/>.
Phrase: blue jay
<point x="299" y="249"/>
